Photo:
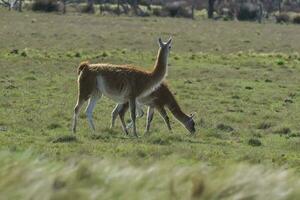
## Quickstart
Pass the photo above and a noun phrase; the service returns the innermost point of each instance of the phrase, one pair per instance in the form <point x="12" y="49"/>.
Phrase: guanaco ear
<point x="161" y="44"/>
<point x="169" y="41"/>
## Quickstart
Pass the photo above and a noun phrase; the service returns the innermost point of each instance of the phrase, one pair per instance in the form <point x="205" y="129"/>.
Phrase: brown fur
<point x="86" y="82"/>
<point x="121" y="83"/>
<point x="82" y="66"/>
<point x="116" y="75"/>
<point x="158" y="99"/>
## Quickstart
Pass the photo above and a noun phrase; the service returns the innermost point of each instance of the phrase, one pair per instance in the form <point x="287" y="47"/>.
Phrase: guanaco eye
<point x="169" y="47"/>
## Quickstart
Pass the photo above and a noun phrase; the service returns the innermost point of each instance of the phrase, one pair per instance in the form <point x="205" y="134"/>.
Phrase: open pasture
<point x="242" y="80"/>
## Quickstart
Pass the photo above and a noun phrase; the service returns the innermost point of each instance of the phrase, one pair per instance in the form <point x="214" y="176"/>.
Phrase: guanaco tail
<point x="158" y="99"/>
<point x="121" y="83"/>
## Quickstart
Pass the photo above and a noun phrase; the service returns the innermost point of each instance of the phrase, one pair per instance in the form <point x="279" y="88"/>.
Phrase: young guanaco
<point x="158" y="99"/>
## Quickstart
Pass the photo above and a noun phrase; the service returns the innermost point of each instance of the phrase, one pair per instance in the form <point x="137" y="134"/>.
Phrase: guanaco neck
<point x="176" y="110"/>
<point x="160" y="68"/>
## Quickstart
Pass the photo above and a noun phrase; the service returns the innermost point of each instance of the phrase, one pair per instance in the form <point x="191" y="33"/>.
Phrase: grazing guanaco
<point x="121" y="83"/>
<point x="158" y="99"/>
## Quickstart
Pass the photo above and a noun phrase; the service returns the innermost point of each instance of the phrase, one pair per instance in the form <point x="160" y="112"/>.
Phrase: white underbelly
<point x="147" y="100"/>
<point x="111" y="92"/>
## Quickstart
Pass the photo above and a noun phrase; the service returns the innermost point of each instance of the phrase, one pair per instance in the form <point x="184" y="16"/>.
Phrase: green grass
<point x="243" y="86"/>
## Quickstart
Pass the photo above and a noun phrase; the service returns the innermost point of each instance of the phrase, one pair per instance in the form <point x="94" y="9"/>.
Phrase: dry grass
<point x="23" y="176"/>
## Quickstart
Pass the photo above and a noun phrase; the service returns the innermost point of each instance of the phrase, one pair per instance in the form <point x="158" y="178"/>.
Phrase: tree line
<point x="228" y="9"/>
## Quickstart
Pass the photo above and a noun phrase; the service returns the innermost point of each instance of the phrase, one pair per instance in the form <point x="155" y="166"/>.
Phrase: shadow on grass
<point x="64" y="139"/>
<point x="168" y="139"/>
<point x="155" y="138"/>
<point x="109" y="134"/>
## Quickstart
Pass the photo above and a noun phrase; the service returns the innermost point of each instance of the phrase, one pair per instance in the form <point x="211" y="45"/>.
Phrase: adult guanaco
<point x="159" y="99"/>
<point x="121" y="83"/>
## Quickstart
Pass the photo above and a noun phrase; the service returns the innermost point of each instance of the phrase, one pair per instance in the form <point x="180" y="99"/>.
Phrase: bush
<point x="283" y="18"/>
<point x="254" y="142"/>
<point x="264" y="125"/>
<point x="226" y="14"/>
<point x="110" y="9"/>
<point x="45" y="5"/>
<point x="247" y="11"/>
<point x="225" y="127"/>
<point x="283" y="130"/>
<point x="174" y="9"/>
<point x="144" y="12"/>
<point x="296" y="19"/>
<point x="145" y="3"/>
<point x="88" y="9"/>
<point x="177" y="10"/>
<point x="159" y="12"/>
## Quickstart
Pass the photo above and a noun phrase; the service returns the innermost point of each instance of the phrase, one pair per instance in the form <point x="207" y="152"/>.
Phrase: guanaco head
<point x="190" y="124"/>
<point x="165" y="47"/>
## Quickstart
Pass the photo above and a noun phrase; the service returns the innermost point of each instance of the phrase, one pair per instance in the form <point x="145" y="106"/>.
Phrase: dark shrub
<point x="264" y="125"/>
<point x="178" y="9"/>
<point x="226" y="14"/>
<point x="24" y="54"/>
<point x="145" y="3"/>
<point x="143" y="13"/>
<point x="296" y="19"/>
<point x="14" y="51"/>
<point x="254" y="142"/>
<point x="88" y="9"/>
<point x="225" y="127"/>
<point x="45" y="5"/>
<point x="64" y="139"/>
<point x="157" y="11"/>
<point x="283" y="130"/>
<point x="247" y="11"/>
<point x="282" y="18"/>
<point x="160" y="12"/>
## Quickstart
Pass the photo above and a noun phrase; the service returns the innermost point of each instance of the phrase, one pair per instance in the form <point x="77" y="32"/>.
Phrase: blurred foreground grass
<point x="27" y="176"/>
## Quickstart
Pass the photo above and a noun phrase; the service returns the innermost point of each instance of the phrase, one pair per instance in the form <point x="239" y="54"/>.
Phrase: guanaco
<point x="158" y="99"/>
<point x="121" y="83"/>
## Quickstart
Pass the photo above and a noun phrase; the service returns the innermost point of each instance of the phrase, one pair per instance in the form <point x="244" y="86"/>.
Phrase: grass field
<point x="242" y="79"/>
